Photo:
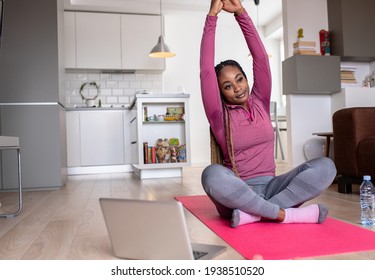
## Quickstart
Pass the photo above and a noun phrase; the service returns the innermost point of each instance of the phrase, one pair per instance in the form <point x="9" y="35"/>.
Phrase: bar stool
<point x="13" y="143"/>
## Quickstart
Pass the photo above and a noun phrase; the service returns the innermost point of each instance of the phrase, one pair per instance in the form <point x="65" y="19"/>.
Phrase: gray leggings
<point x="264" y="196"/>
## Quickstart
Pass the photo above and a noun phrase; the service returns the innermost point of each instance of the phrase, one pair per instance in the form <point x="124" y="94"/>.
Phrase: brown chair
<point x="354" y="145"/>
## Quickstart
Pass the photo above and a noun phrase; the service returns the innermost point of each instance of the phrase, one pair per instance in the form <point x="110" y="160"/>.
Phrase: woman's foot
<point x="242" y="218"/>
<point x="311" y="214"/>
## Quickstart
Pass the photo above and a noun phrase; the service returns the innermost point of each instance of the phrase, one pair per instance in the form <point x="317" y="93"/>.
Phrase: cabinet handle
<point x="133" y="119"/>
<point x="133" y="142"/>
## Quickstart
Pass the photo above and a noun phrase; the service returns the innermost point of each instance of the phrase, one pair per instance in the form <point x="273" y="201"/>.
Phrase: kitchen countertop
<point x="128" y="107"/>
<point x="152" y="95"/>
<point x="96" y="108"/>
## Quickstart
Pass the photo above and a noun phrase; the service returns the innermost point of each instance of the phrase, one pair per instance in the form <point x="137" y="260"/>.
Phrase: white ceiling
<point x="269" y="11"/>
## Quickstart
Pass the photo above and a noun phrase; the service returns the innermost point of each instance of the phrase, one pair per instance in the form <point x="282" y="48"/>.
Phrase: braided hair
<point x="226" y="115"/>
<point x="228" y="62"/>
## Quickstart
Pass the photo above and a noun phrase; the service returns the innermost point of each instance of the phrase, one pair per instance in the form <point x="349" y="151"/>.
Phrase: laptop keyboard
<point x="199" y="254"/>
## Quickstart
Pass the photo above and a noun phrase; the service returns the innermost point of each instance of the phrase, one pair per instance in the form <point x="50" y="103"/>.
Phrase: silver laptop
<point x="151" y="230"/>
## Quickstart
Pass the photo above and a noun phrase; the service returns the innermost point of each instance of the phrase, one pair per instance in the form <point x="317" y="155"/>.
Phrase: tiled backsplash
<point x="116" y="89"/>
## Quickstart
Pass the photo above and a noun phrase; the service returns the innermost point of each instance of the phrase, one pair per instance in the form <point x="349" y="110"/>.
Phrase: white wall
<point x="183" y="35"/>
<point x="372" y="66"/>
<point x="305" y="113"/>
<point x="312" y="16"/>
<point x="309" y="113"/>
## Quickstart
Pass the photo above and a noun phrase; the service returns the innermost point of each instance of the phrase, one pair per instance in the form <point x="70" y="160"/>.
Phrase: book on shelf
<point x="348" y="81"/>
<point x="305" y="48"/>
<point x="304" y="44"/>
<point x="153" y="154"/>
<point x="312" y="49"/>
<point x="348" y="77"/>
<point x="149" y="154"/>
<point x="306" y="52"/>
<point x="347" y="74"/>
<point x="347" y="71"/>
<point x="145" y="152"/>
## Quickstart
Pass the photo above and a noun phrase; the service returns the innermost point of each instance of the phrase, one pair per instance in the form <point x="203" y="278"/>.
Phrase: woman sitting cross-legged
<point x="244" y="188"/>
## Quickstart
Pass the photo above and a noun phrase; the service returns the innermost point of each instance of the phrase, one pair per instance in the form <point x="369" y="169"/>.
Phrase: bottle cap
<point x="367" y="178"/>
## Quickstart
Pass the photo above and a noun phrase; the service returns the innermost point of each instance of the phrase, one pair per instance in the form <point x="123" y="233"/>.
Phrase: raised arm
<point x="209" y="86"/>
<point x="261" y="69"/>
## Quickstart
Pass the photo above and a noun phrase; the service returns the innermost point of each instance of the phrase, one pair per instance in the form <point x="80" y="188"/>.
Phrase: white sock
<point x="242" y="218"/>
<point x="310" y="214"/>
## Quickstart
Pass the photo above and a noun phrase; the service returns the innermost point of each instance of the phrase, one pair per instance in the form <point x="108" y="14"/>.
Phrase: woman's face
<point x="233" y="85"/>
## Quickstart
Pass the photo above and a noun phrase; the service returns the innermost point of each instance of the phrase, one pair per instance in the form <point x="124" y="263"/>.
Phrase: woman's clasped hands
<point x="230" y="6"/>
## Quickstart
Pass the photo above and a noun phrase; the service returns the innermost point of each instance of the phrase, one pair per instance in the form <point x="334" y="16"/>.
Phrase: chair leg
<point x="19" y="183"/>
<point x="343" y="186"/>
<point x="281" y="147"/>
<point x="345" y="183"/>
<point x="12" y="215"/>
<point x="278" y="142"/>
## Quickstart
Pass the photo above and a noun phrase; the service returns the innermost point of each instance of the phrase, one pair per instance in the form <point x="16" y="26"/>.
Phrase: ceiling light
<point x="161" y="50"/>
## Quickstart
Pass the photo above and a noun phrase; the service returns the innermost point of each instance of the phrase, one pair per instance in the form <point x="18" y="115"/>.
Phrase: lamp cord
<point x="161" y="20"/>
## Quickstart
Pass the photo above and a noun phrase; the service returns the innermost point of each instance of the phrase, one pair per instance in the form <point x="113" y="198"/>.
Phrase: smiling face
<point x="233" y="85"/>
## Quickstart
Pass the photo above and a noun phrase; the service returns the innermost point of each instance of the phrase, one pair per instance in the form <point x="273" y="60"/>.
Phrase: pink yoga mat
<point x="274" y="241"/>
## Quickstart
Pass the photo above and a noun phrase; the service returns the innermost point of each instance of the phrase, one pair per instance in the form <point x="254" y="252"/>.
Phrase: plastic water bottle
<point x="367" y="199"/>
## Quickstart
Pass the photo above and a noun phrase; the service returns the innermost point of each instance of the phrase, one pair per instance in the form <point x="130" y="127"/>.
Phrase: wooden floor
<point x="67" y="223"/>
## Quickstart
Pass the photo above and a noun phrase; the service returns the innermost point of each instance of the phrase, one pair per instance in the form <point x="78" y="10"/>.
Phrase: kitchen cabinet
<point x="140" y="34"/>
<point x="111" y="41"/>
<point x="70" y="39"/>
<point x="150" y="128"/>
<point x="98" y="40"/>
<point x="310" y="74"/>
<point x="102" y="138"/>
<point x="351" y="25"/>
<point x="73" y="138"/>
<point x="41" y="130"/>
<point x="96" y="138"/>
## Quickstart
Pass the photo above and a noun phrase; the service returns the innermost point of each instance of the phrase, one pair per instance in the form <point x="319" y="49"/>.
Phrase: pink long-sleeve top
<point x="252" y="131"/>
